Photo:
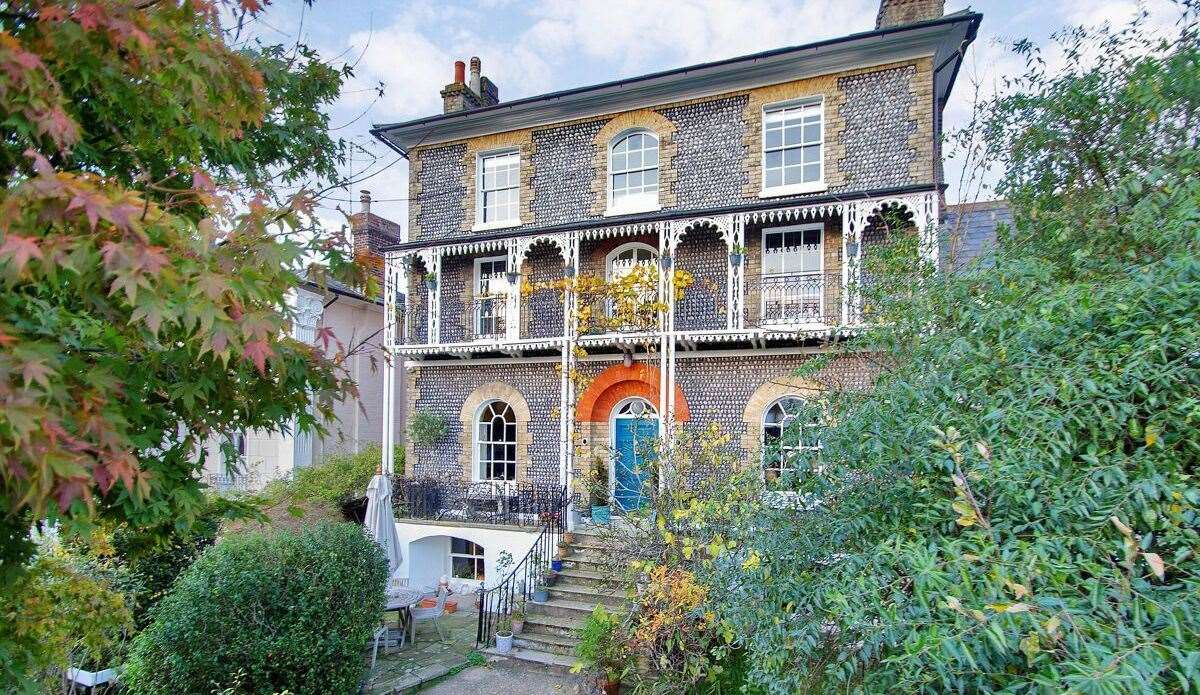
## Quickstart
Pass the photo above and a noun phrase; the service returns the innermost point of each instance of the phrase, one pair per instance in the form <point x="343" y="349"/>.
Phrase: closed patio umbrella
<point x="380" y="522"/>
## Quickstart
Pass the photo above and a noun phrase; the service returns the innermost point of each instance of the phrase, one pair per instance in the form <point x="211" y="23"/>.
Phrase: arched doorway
<point x="634" y="430"/>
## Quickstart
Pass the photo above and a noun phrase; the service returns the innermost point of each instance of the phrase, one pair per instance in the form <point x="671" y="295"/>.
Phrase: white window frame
<point x="480" y="223"/>
<point x="477" y="472"/>
<point x="819" y="273"/>
<point x="477" y="293"/>
<point x="798" y="188"/>
<point x="612" y="256"/>
<point x="477" y="560"/>
<point x="629" y="205"/>
<point x="762" y="430"/>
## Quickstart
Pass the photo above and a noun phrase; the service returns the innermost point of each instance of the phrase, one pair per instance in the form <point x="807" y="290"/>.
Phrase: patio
<point x="426" y="658"/>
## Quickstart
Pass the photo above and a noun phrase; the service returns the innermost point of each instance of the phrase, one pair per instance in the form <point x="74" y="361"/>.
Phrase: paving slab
<point x="506" y="676"/>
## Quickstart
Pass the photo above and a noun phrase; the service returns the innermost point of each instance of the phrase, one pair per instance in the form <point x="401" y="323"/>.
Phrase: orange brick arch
<point x="619" y="382"/>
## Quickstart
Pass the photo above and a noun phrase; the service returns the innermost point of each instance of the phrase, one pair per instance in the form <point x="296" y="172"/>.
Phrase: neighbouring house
<point x="766" y="177"/>
<point x="358" y="322"/>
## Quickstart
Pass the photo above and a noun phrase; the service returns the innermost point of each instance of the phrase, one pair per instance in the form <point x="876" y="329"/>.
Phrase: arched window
<point x="633" y="171"/>
<point x="496" y="442"/>
<point x="791" y="437"/>
<point x="623" y="258"/>
<point x="466" y="559"/>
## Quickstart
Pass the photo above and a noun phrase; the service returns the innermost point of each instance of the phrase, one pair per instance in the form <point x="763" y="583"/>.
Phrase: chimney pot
<point x="460" y="72"/>
<point x="476" y="70"/>
<point x="364" y="199"/>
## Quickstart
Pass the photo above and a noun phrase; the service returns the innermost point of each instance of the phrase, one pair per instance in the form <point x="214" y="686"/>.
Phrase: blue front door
<point x="634" y="438"/>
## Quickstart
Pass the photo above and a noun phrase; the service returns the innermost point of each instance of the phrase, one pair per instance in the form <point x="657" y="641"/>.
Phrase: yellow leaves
<point x="1125" y="530"/>
<point x="752" y="562"/>
<point x="1018" y="590"/>
<point x="1009" y="607"/>
<point x="1151" y="435"/>
<point x="1030" y="646"/>
<point x="966" y="515"/>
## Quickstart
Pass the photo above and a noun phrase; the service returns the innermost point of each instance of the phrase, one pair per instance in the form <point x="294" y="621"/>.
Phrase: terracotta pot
<point x="518" y="626"/>
<point x="610" y="687"/>
<point x="428" y="603"/>
<point x="451" y="605"/>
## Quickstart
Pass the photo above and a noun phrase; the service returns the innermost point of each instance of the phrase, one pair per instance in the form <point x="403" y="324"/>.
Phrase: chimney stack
<point x="894" y="13"/>
<point x="370" y="233"/>
<point x="461" y="95"/>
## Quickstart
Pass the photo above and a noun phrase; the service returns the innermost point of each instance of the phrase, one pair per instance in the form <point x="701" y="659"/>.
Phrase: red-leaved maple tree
<point x="146" y="255"/>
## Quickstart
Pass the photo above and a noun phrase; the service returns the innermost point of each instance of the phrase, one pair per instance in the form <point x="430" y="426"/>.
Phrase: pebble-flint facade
<point x="763" y="177"/>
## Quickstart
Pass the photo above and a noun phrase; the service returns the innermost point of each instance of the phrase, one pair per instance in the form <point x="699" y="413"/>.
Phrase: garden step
<point x="560" y="607"/>
<point x="596" y="564"/>
<point x="588" y="595"/>
<point x="553" y="644"/>
<point x="536" y="656"/>
<point x="584" y="574"/>
<point x="561" y="626"/>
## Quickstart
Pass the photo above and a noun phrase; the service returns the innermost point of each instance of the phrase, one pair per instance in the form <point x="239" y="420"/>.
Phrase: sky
<point x="530" y="47"/>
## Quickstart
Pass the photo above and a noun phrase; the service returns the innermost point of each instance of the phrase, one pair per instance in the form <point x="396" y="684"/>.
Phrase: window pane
<point x="774" y="241"/>
<point x="812" y="154"/>
<point x="774" y="160"/>
<point x="618" y="163"/>
<point x="651" y="159"/>
<point x="812" y="172"/>
<point x="774" y="178"/>
<point x="635" y="179"/>
<point x="812" y="133"/>
<point x="635" y="160"/>
<point x="791" y="136"/>
<point x="650" y="179"/>
<point x="791" y="157"/>
<point x="620" y="181"/>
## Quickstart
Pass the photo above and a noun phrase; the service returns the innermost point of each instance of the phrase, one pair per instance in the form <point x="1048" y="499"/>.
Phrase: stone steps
<point x="550" y="644"/>
<point x="559" y="662"/>
<point x="588" y="595"/>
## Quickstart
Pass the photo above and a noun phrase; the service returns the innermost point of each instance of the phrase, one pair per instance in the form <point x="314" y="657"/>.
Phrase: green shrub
<point x="601" y="649"/>
<point x="425" y="429"/>
<point x="266" y="612"/>
<point x="338" y="479"/>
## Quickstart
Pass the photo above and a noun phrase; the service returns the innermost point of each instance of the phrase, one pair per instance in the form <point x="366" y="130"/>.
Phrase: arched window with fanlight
<point x="791" y="438"/>
<point x="496" y="442"/>
<point x="633" y="172"/>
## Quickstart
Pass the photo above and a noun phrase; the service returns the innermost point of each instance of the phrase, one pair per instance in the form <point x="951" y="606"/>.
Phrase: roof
<point x="945" y="38"/>
<point x="970" y="231"/>
<point x="338" y="288"/>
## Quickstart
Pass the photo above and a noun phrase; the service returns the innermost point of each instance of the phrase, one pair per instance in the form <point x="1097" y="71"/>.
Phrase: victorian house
<point x="763" y="177"/>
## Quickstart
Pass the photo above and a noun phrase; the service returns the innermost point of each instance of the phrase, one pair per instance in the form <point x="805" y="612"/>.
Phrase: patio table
<point x="402" y="600"/>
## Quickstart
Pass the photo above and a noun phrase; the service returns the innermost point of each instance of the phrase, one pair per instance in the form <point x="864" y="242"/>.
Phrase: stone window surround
<point x="493" y="391"/>
<point x="645" y="120"/>
<point x="762" y="399"/>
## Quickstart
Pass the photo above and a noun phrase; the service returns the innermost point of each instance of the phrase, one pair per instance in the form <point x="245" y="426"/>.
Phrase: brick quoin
<point x="620" y="382"/>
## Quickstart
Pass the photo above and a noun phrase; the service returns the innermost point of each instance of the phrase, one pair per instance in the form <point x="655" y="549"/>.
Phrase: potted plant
<point x="504" y="634"/>
<point x="602" y="651"/>
<point x="541" y="593"/>
<point x="597" y="483"/>
<point x="737" y="254"/>
<point x="556" y="564"/>
<point x="568" y="537"/>
<point x="431" y="281"/>
<point x="518" y="618"/>
<point x="551" y="577"/>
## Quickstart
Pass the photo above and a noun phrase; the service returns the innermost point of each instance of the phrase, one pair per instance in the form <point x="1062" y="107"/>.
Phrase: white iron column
<point x="389" y="367"/>
<point x="735" y="285"/>
<point x="925" y="214"/>
<point x="849" y="226"/>
<point x="566" y="417"/>
<point x="512" y="301"/>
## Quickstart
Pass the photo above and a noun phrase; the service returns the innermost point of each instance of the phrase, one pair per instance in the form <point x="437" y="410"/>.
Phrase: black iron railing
<point x="517" y="588"/>
<point x="491" y="502"/>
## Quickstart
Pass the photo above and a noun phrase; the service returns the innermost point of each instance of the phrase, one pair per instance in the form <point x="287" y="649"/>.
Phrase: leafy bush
<point x="601" y="647"/>
<point x="266" y="612"/>
<point x="1014" y="506"/>
<point x="425" y="428"/>
<point x="55" y="612"/>
<point x="338" y="479"/>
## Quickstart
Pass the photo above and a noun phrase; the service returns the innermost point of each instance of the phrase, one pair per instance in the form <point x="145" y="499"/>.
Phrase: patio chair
<point x="387" y="637"/>
<point x="430" y="615"/>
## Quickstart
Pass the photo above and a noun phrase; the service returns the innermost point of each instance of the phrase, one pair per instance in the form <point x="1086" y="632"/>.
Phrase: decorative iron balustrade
<point x="794" y="299"/>
<point x="493" y="502"/>
<point x="488" y="317"/>
<point x="518" y="587"/>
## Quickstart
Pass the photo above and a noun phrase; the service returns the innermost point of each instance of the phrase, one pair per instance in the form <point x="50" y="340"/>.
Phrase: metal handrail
<point x="501" y="599"/>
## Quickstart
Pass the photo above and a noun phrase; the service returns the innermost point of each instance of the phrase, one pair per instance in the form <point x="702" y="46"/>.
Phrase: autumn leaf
<point x="258" y="351"/>
<point x="1156" y="565"/>
<point x="19" y="250"/>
